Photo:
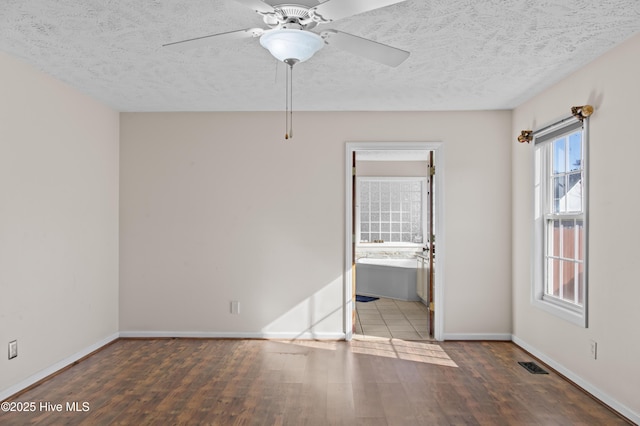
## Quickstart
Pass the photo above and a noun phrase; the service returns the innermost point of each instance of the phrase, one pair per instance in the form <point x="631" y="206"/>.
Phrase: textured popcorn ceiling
<point x="465" y="54"/>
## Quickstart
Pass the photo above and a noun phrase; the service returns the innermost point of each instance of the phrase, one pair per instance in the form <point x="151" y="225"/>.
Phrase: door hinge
<point x="353" y="171"/>
<point x="432" y="170"/>
<point x="431" y="306"/>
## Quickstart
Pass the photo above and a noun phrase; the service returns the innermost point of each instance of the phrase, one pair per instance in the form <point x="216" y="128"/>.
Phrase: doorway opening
<point x="394" y="205"/>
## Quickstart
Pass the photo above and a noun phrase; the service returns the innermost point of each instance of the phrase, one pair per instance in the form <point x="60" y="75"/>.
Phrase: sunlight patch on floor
<point x="402" y="349"/>
<point x="416" y="351"/>
<point x="330" y="345"/>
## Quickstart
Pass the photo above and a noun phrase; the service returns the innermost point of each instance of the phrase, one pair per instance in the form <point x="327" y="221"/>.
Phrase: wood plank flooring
<point x="265" y="382"/>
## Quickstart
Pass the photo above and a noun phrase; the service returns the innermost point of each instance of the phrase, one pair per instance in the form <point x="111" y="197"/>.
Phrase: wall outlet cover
<point x="13" y="349"/>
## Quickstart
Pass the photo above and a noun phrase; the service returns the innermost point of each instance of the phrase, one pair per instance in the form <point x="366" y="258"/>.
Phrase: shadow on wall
<point x="316" y="317"/>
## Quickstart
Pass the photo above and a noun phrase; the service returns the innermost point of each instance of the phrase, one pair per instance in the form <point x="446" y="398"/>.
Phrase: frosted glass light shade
<point x="291" y="44"/>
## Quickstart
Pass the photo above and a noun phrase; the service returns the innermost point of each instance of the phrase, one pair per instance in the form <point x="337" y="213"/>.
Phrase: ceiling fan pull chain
<point x="286" y="110"/>
<point x="291" y="103"/>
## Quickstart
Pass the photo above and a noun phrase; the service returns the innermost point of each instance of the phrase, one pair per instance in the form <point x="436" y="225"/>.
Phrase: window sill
<point x="577" y="318"/>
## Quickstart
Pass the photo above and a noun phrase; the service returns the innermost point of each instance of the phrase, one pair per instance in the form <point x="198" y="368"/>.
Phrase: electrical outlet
<point x="13" y="349"/>
<point x="235" y="307"/>
<point x="594" y="349"/>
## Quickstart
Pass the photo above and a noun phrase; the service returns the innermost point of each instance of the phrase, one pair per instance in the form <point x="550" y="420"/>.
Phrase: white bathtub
<point x="391" y="278"/>
<point x="397" y="263"/>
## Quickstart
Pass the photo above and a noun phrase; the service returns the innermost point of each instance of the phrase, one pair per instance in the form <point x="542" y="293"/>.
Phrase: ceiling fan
<point x="290" y="40"/>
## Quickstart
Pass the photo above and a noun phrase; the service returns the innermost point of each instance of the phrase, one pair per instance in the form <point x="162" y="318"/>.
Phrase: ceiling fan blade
<point x="333" y="10"/>
<point x="366" y="48"/>
<point x="258" y="6"/>
<point x="208" y="40"/>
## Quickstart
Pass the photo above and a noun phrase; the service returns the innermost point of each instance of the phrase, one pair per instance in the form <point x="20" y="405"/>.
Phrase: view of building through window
<point x="565" y="221"/>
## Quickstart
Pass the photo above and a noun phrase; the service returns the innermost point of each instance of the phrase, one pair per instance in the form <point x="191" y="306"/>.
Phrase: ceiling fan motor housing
<point x="287" y="14"/>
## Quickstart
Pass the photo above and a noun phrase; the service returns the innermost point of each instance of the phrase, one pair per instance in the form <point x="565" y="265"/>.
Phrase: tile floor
<point x="392" y="318"/>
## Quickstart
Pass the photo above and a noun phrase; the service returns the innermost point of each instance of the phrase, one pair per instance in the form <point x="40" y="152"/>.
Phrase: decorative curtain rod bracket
<point x="582" y="112"/>
<point x="525" y="136"/>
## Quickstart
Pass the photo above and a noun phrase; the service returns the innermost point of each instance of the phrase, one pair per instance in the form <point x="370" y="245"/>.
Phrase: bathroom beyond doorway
<point x="389" y="318"/>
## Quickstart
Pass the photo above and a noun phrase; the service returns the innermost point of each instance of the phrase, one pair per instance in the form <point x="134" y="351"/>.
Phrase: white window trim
<point x="423" y="184"/>
<point x="554" y="306"/>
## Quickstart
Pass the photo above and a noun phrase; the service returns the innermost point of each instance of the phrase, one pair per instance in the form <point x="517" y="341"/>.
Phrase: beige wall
<point x="58" y="221"/>
<point x="392" y="168"/>
<point x="610" y="84"/>
<point x="218" y="207"/>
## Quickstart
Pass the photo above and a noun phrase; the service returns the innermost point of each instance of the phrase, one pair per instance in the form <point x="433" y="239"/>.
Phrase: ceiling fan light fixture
<point x="286" y="44"/>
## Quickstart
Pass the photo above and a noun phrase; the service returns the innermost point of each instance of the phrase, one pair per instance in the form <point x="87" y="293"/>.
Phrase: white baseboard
<point x="6" y="393"/>
<point x="189" y="335"/>
<point x="309" y="335"/>
<point x="597" y="393"/>
<point x="232" y="335"/>
<point x="477" y="336"/>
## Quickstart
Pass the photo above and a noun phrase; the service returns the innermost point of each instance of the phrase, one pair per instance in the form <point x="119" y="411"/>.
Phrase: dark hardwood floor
<point x="260" y="382"/>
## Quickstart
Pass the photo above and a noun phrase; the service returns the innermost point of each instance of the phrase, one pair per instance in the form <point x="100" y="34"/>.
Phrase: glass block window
<point x="391" y="210"/>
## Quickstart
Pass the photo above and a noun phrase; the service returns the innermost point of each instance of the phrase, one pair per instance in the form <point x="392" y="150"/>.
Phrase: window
<point x="391" y="210"/>
<point x="560" y="282"/>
